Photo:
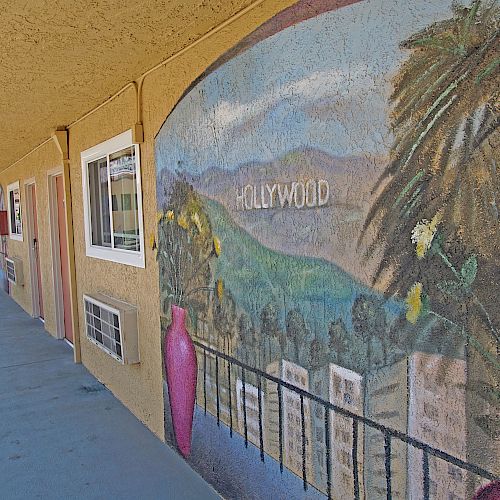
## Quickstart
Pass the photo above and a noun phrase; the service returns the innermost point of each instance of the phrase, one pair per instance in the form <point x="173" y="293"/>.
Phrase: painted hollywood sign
<point x="297" y="194"/>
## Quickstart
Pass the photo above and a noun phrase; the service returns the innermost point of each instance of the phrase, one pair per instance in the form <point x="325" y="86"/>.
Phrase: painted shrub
<point x="332" y="184"/>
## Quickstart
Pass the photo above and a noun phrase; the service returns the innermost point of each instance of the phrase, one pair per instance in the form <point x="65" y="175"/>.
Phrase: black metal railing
<point x="389" y="434"/>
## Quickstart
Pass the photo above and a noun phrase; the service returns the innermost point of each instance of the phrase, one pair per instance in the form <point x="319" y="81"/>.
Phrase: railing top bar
<point x="359" y="418"/>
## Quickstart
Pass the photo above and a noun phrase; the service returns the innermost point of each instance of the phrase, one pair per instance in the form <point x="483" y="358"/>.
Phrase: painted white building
<point x="386" y="402"/>
<point x="292" y="420"/>
<point x="436" y="416"/>
<point x="319" y="380"/>
<point x="423" y="396"/>
<point x="346" y="391"/>
<point x="249" y="404"/>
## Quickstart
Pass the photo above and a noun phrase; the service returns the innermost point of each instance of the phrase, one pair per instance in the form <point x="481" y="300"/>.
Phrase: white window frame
<point x="118" y="255"/>
<point x="10" y="188"/>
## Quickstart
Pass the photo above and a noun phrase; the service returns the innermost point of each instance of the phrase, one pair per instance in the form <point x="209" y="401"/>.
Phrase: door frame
<point x="56" y="256"/>
<point x="35" y="289"/>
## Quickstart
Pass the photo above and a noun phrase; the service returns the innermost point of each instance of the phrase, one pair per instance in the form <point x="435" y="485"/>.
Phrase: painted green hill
<point x="322" y="291"/>
<point x="257" y="275"/>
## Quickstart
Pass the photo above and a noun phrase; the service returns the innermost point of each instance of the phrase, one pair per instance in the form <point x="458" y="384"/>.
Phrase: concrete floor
<point x="63" y="435"/>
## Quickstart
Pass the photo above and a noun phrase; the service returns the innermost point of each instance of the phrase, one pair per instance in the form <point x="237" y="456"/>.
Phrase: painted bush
<point x="343" y="160"/>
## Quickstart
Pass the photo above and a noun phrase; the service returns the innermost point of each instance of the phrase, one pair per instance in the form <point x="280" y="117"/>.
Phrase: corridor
<point x="64" y="435"/>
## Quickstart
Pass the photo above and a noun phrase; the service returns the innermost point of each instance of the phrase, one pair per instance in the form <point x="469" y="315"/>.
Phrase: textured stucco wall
<point x="35" y="167"/>
<point x="140" y="386"/>
<point x="75" y="54"/>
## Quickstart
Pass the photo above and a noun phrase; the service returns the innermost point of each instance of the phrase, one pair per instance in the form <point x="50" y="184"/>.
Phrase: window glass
<point x="15" y="212"/>
<point x="99" y="202"/>
<point x="123" y="175"/>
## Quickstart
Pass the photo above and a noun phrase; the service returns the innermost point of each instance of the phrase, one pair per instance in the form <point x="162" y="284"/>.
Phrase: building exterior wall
<point x="304" y="255"/>
<point x="35" y="167"/>
<point x="139" y="387"/>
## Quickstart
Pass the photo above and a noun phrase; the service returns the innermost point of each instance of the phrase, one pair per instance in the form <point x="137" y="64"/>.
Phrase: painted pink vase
<point x="182" y="368"/>
<point x="491" y="491"/>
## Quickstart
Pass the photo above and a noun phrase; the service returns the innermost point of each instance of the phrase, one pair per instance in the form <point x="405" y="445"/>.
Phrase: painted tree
<point x="224" y="317"/>
<point x="442" y="176"/>
<point x="436" y="216"/>
<point x="318" y="356"/>
<point x="296" y="332"/>
<point x="246" y="340"/>
<point x="369" y="324"/>
<point x="338" y="340"/>
<point x="270" y="332"/>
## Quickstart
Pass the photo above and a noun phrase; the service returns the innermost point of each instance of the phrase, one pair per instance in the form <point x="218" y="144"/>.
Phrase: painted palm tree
<point x="443" y="168"/>
<point x="441" y="190"/>
<point x="444" y="158"/>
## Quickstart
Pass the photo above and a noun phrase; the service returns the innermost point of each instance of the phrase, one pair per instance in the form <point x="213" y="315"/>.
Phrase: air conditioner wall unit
<point x="15" y="270"/>
<point x="111" y="324"/>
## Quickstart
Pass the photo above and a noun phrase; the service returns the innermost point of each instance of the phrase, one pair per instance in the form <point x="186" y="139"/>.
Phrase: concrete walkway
<point x="63" y="435"/>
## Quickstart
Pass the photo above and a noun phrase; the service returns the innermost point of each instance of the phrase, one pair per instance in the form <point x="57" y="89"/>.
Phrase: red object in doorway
<point x="4" y="224"/>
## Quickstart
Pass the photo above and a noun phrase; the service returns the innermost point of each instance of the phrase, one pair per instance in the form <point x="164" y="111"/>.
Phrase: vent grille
<point x="103" y="327"/>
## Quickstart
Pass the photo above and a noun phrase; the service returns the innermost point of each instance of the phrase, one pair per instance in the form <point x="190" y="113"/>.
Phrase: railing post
<point x="303" y="424"/>
<point x="387" y="450"/>
<point x="217" y="388"/>
<point x="425" y="470"/>
<point x="261" y="431"/>
<point x="244" y="391"/>
<point x="355" y="458"/>
<point x="230" y="399"/>
<point x="280" y="424"/>
<point x="327" y="452"/>
<point x="205" y="379"/>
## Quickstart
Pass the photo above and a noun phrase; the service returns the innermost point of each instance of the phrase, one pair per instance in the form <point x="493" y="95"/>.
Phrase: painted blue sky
<point x="323" y="83"/>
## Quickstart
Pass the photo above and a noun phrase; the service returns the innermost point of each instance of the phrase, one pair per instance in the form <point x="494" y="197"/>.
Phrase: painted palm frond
<point x="445" y="115"/>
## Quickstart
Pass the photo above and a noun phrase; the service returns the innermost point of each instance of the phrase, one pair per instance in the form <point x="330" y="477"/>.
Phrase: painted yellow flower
<point x="220" y="289"/>
<point x="197" y="221"/>
<point x="152" y="241"/>
<point x="423" y="234"/>
<point x="159" y="216"/>
<point x="183" y="222"/>
<point x="217" y="246"/>
<point x="414" y="303"/>
<point x="170" y="215"/>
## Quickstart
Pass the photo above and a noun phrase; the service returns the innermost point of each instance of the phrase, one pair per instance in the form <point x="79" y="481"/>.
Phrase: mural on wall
<point x="329" y="224"/>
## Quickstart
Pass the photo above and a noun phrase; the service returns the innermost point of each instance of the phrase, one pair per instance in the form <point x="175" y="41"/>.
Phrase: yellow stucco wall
<point x="35" y="167"/>
<point x="139" y="387"/>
